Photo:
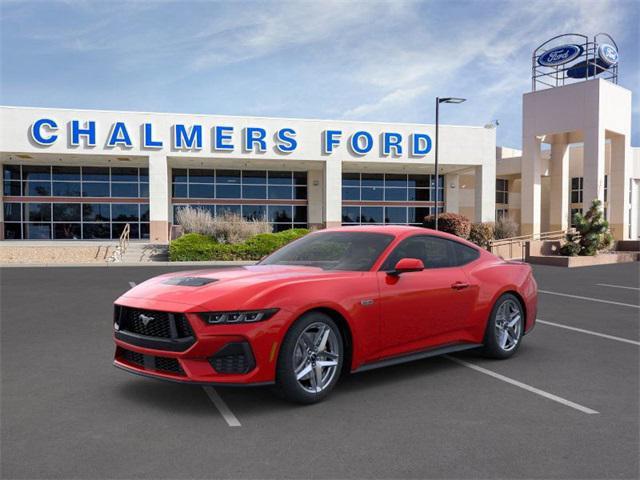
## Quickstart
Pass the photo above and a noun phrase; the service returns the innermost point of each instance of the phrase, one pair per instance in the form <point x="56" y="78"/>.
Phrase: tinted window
<point x="464" y="254"/>
<point x="434" y="252"/>
<point x="355" y="251"/>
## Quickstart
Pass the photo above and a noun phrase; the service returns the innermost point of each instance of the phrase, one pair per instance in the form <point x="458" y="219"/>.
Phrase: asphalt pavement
<point x="566" y="406"/>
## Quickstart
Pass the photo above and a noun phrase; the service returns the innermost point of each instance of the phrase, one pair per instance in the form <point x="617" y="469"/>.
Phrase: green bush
<point x="482" y="233"/>
<point x="452" y="223"/>
<point x="592" y="233"/>
<point x="197" y="247"/>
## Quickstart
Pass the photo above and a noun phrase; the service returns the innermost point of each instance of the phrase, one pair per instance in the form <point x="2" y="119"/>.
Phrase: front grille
<point x="233" y="358"/>
<point x="150" y="362"/>
<point x="152" y="323"/>
<point x="168" y="365"/>
<point x="133" y="357"/>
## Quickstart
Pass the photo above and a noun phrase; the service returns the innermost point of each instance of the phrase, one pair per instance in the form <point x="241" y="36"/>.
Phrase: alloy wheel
<point x="508" y="325"/>
<point x="316" y="357"/>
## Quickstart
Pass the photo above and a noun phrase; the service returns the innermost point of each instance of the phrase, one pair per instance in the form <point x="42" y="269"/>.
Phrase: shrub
<point x="482" y="233"/>
<point x="453" y="223"/>
<point x="225" y="228"/>
<point x="505" y="227"/>
<point x="197" y="247"/>
<point x="591" y="235"/>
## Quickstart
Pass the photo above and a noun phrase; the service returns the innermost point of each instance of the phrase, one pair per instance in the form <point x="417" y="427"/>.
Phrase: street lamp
<point x="438" y="102"/>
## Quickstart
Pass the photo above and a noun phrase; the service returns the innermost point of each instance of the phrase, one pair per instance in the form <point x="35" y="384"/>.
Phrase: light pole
<point x="438" y="102"/>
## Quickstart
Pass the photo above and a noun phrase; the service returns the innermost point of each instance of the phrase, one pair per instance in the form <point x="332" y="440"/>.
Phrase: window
<point x="573" y="212"/>
<point x="502" y="190"/>
<point x="251" y="188"/>
<point x="606" y="187"/>
<point x="576" y="190"/>
<point x="502" y="213"/>
<point x="354" y="251"/>
<point x="435" y="252"/>
<point x="65" y="213"/>
<point x="390" y="189"/>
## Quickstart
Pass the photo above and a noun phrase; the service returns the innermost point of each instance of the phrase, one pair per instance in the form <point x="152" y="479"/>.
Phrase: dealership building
<point x="85" y="174"/>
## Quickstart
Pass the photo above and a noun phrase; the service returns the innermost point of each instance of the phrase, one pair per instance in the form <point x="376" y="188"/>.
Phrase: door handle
<point x="459" y="286"/>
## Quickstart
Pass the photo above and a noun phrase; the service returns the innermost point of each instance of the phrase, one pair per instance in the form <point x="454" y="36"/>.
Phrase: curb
<point x="139" y="264"/>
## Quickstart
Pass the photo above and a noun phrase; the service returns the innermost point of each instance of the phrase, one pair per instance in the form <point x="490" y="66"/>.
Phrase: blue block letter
<point x="421" y="144"/>
<point x="330" y="140"/>
<point x="147" y="138"/>
<point x="392" y="140"/>
<point x="355" y="142"/>
<point x="36" y="131"/>
<point x="89" y="131"/>
<point x="223" y="135"/>
<point x="184" y="139"/>
<point x="286" y="140"/>
<point x="119" y="136"/>
<point x="253" y="136"/>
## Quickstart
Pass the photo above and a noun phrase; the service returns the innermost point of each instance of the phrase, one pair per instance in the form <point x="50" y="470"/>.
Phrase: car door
<point x="424" y="308"/>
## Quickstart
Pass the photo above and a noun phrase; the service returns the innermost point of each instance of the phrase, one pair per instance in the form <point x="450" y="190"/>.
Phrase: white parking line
<point x="226" y="413"/>
<point x="132" y="284"/>
<point x="524" y="386"/>
<point x="590" y="299"/>
<point x="581" y="330"/>
<point x="616" y="286"/>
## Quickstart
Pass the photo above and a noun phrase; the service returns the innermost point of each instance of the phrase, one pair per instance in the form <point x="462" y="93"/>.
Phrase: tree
<point x="591" y="235"/>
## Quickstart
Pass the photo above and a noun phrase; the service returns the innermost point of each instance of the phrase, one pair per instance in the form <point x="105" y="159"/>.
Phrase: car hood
<point x="244" y="287"/>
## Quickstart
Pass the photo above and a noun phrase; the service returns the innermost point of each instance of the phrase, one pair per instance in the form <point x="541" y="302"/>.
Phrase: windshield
<point x="355" y="251"/>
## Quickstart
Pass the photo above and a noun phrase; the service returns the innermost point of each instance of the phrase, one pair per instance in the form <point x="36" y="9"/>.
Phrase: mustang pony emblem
<point x="145" y="319"/>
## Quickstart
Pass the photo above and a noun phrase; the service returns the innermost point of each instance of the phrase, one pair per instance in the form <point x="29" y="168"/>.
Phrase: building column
<point x="315" y="196"/>
<point x="618" y="190"/>
<point x="159" y="198"/>
<point x="531" y="186"/>
<point x="593" y="167"/>
<point x="559" y="196"/>
<point x="485" y="192"/>
<point x="452" y="195"/>
<point x="332" y="193"/>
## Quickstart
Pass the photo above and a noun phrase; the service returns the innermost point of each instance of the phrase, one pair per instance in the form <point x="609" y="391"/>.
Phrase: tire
<point x="502" y="342"/>
<point x="300" y="375"/>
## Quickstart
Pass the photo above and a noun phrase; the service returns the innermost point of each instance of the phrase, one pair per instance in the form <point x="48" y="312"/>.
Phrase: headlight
<point x="244" y="316"/>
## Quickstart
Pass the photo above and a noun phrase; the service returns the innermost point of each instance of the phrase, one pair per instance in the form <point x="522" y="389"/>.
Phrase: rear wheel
<point x="505" y="328"/>
<point x="310" y="359"/>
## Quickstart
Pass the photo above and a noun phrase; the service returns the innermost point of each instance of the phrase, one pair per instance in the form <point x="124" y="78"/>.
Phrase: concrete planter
<point x="602" y="259"/>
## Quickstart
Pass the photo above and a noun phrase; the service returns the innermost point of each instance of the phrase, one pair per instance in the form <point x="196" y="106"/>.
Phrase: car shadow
<point x="264" y="400"/>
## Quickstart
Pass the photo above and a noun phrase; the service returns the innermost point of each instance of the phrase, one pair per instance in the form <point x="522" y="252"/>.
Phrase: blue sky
<point x="355" y="60"/>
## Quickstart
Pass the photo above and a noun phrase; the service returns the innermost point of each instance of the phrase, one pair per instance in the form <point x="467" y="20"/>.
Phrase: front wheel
<point x="310" y="359"/>
<point x="505" y="328"/>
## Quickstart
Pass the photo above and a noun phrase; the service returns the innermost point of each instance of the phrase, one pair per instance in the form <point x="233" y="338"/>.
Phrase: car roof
<point x="400" y="231"/>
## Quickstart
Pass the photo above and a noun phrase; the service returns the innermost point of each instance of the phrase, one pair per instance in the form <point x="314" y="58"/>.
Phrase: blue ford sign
<point x="560" y="55"/>
<point x="608" y="54"/>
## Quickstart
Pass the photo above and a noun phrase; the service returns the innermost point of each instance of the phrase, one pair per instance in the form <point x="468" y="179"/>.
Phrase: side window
<point x="464" y="254"/>
<point x="434" y="252"/>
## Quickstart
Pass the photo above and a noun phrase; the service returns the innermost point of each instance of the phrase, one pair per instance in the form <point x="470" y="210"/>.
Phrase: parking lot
<point x="566" y="406"/>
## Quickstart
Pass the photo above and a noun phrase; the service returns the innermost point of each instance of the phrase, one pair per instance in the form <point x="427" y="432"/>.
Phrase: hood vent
<point x="189" y="281"/>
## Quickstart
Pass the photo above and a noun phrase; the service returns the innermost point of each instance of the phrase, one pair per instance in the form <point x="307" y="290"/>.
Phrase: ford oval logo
<point x="560" y="55"/>
<point x="608" y="54"/>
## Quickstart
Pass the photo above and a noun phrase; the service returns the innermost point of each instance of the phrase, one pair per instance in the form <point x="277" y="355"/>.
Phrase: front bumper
<point x="238" y="354"/>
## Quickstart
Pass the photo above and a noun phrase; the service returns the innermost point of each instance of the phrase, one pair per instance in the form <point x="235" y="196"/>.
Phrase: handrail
<point x="123" y="244"/>
<point x="534" y="236"/>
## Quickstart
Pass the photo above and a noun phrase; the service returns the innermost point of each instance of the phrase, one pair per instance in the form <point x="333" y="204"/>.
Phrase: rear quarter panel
<point x="495" y="277"/>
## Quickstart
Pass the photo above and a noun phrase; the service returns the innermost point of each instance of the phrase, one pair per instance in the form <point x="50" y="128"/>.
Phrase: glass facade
<point x="278" y="196"/>
<point x="390" y="198"/>
<point x="77" y="202"/>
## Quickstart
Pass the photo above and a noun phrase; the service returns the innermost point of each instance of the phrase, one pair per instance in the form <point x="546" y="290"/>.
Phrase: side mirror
<point x="405" y="265"/>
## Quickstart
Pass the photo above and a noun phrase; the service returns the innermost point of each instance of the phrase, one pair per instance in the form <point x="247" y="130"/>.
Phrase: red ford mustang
<point x="335" y="301"/>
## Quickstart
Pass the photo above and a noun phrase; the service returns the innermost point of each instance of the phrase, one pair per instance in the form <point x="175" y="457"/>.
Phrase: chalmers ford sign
<point x="222" y="138"/>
